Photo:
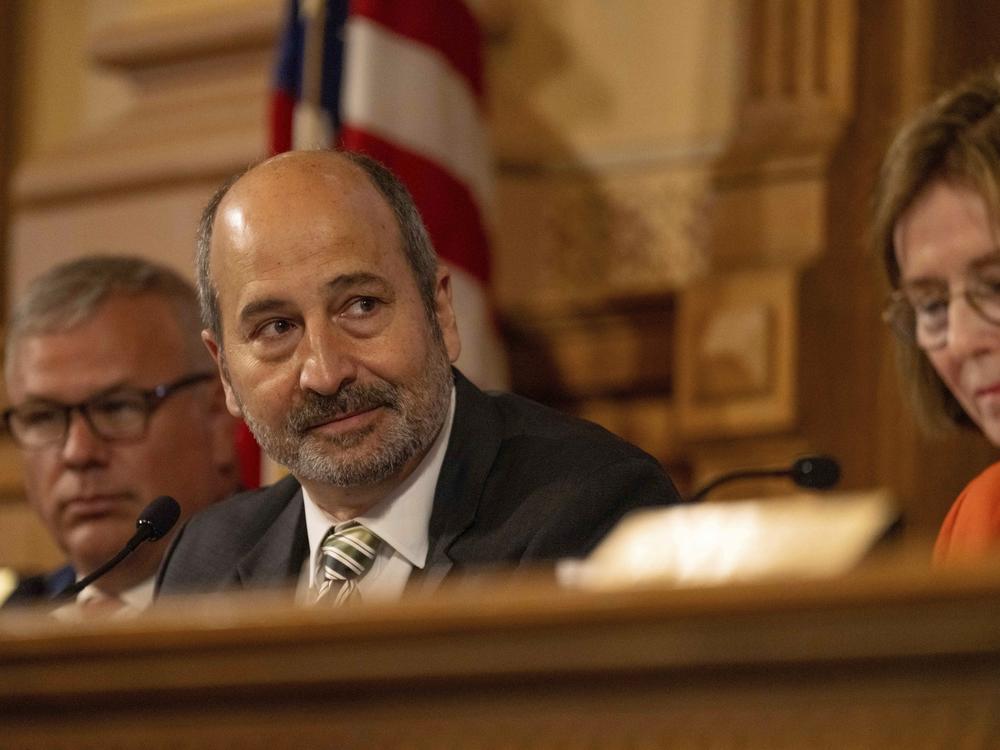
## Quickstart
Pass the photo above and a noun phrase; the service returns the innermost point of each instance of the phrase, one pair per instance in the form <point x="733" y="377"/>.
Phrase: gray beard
<point x="415" y="418"/>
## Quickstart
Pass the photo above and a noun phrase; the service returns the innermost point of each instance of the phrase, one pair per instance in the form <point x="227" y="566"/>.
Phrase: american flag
<point x="402" y="80"/>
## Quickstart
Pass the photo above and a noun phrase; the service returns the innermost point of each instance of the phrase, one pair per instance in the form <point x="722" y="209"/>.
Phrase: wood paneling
<point x="890" y="658"/>
<point x="8" y="42"/>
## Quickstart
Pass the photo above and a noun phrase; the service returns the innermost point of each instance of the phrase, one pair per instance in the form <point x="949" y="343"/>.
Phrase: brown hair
<point x="955" y="138"/>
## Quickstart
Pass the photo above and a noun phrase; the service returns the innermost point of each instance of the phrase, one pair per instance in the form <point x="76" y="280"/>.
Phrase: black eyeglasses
<point x="119" y="415"/>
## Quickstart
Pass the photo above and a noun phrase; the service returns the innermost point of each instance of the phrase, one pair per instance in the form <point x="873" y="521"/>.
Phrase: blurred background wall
<point x="679" y="242"/>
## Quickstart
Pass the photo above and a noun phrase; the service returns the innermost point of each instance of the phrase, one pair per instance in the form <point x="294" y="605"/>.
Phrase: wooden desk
<point x="887" y="659"/>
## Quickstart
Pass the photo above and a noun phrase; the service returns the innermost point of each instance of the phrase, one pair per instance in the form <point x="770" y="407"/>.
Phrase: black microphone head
<point x="159" y="517"/>
<point x="816" y="472"/>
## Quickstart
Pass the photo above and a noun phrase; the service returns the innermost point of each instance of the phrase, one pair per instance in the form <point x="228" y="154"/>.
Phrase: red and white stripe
<point x="412" y="97"/>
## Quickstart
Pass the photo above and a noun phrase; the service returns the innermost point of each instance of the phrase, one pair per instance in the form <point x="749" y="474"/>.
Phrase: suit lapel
<point x="472" y="448"/>
<point x="277" y="557"/>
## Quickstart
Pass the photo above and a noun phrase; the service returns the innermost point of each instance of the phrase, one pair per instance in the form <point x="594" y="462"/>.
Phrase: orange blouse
<point x="972" y="526"/>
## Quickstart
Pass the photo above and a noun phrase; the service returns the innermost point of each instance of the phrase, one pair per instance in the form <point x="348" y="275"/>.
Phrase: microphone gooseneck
<point x="812" y="472"/>
<point x="153" y="523"/>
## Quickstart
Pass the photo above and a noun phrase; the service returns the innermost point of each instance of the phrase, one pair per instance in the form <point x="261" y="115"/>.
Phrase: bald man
<point x="332" y="326"/>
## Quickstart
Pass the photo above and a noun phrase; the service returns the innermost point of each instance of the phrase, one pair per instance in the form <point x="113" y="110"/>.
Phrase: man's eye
<point x="39" y="417"/>
<point x="273" y="328"/>
<point x="987" y="285"/>
<point x="112" y="407"/>
<point x="930" y="306"/>
<point x="362" y="307"/>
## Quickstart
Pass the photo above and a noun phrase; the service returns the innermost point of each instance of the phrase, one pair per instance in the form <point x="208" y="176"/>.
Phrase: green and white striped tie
<point x="344" y="556"/>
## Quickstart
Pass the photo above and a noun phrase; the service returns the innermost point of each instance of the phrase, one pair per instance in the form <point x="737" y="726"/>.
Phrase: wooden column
<point x="739" y="326"/>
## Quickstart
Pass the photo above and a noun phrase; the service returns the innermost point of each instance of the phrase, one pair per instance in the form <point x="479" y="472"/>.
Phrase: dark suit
<point x="40" y="588"/>
<point x="520" y="483"/>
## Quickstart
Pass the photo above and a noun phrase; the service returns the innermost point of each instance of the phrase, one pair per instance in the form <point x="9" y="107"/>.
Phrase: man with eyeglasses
<point x="113" y="402"/>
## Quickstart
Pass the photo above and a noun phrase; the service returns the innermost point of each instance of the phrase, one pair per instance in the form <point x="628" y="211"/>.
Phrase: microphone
<point x="153" y="523"/>
<point x="812" y="472"/>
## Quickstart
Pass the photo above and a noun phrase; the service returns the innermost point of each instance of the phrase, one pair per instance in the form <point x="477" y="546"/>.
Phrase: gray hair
<point x="417" y="246"/>
<point x="70" y="293"/>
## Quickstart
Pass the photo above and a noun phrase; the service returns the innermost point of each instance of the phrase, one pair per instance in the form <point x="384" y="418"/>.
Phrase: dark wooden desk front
<point x="900" y="658"/>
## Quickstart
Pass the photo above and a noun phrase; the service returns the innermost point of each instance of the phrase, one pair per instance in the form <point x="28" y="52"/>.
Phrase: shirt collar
<point x="136" y="599"/>
<point x="400" y="519"/>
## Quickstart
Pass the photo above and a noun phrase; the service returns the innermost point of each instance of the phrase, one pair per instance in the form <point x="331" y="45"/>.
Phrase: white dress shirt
<point x="400" y="520"/>
<point x="131" y="602"/>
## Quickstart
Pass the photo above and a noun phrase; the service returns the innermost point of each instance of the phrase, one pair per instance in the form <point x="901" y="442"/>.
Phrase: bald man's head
<point x="332" y="328"/>
<point x="339" y="171"/>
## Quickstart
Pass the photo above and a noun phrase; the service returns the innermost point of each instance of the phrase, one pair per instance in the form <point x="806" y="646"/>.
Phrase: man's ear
<point x="213" y="348"/>
<point x="445" y="314"/>
<point x="222" y="428"/>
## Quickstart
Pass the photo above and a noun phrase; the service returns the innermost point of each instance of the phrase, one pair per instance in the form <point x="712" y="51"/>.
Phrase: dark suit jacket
<point x="520" y="483"/>
<point x="40" y="588"/>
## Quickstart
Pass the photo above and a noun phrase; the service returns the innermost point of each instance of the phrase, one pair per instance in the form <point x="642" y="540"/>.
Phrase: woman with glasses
<point x="936" y="226"/>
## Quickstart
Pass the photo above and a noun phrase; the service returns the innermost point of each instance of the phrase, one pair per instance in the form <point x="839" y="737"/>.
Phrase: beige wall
<point x="120" y="149"/>
<point x="588" y="80"/>
<point x="63" y="92"/>
<point x="50" y="88"/>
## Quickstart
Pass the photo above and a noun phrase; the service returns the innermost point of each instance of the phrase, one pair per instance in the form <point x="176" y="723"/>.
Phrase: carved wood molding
<point x="738" y="329"/>
<point x="146" y="42"/>
<point x="612" y="365"/>
<point x="591" y="264"/>
<point x="736" y="355"/>
<point x="597" y="353"/>
<point x="799" y="90"/>
<point x="799" y="81"/>
<point x="582" y="239"/>
<point x="199" y="82"/>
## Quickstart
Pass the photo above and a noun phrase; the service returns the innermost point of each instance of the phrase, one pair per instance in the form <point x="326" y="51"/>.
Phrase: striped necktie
<point x="345" y="555"/>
